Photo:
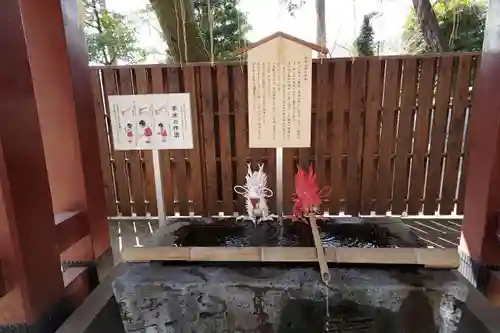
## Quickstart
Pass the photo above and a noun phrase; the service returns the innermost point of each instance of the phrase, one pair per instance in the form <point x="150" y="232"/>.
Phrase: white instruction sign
<point x="150" y="122"/>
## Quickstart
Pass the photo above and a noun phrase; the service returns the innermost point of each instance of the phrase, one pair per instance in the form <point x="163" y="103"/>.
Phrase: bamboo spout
<point x="320" y="252"/>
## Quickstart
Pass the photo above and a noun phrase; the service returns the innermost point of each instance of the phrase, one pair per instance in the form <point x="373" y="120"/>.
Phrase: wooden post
<point x="28" y="242"/>
<point x="482" y="197"/>
<point x="79" y="72"/>
<point x="49" y="156"/>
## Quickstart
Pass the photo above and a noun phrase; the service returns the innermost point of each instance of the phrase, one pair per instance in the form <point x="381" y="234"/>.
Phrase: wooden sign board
<point x="279" y="94"/>
<point x="151" y="122"/>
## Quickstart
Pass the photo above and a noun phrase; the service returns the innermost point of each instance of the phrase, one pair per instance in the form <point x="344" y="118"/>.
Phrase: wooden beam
<point x="70" y="228"/>
<point x="79" y="71"/>
<point x="3" y="285"/>
<point x="482" y="190"/>
<point x="76" y="284"/>
<point x="85" y="314"/>
<point x="432" y="258"/>
<point x="493" y="289"/>
<point x="80" y="251"/>
<point x="27" y="231"/>
<point x="11" y="307"/>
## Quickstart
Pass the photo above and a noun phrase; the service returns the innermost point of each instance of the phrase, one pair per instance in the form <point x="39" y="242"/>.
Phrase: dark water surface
<point x="333" y="233"/>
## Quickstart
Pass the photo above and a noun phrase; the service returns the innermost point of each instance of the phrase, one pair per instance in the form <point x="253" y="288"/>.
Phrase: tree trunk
<point x="320" y="24"/>
<point x="429" y="25"/>
<point x="96" y="10"/>
<point x="182" y="48"/>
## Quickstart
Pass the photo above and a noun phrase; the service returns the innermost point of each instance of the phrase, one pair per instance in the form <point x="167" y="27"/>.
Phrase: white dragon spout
<point x="255" y="192"/>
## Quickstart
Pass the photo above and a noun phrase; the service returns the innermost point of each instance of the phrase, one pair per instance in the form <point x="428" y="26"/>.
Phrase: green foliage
<point x="461" y="21"/>
<point x="293" y="5"/>
<point x="229" y="26"/>
<point x="109" y="35"/>
<point x="364" y="43"/>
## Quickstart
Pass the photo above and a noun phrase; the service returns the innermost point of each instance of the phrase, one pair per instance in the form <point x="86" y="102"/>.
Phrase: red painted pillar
<point x="28" y="244"/>
<point x="49" y="154"/>
<point x="46" y="45"/>
<point x="59" y="65"/>
<point x="482" y="199"/>
<point x="87" y="127"/>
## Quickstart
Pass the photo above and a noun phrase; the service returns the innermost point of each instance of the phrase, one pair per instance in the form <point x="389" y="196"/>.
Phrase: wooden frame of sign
<point x="431" y="258"/>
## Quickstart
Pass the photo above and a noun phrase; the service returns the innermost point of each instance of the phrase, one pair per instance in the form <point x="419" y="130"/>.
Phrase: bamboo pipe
<point x="323" y="266"/>
<point x="430" y="258"/>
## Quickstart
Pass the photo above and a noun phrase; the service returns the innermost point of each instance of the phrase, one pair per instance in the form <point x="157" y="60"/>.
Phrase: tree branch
<point x="100" y="30"/>
<point x="171" y="26"/>
<point x="429" y="26"/>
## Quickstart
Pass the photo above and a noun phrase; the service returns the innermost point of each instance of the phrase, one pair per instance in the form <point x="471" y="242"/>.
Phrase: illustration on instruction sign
<point x="157" y="121"/>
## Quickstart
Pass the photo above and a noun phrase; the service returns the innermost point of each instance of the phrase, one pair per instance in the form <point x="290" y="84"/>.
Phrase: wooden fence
<point x="388" y="134"/>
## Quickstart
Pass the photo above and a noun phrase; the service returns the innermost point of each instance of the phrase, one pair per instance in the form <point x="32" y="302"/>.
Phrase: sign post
<point x="279" y="97"/>
<point x="152" y="122"/>
<point x="279" y="182"/>
<point x="159" y="187"/>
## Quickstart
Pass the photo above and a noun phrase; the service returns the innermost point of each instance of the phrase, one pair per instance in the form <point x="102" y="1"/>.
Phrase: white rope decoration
<point x="183" y="14"/>
<point x="210" y="21"/>
<point x="242" y="55"/>
<point x="178" y="31"/>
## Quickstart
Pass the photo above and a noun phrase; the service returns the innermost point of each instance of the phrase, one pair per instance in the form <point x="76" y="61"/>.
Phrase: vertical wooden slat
<point x="196" y="179"/>
<point x="457" y="120"/>
<point x="340" y="104"/>
<point x="371" y="138"/>
<point x="257" y="155"/>
<point x="390" y="105"/>
<point x="404" y="137"/>
<point x="207" y="102"/>
<point x="465" y="158"/>
<point x="305" y="156"/>
<point x="149" y="183"/>
<point x="241" y="133"/>
<point x="180" y="175"/>
<point x="320" y="142"/>
<point x="225" y="139"/>
<point x="421" y="137"/>
<point x="354" y="143"/>
<point x="142" y="87"/>
<point x="271" y="178"/>
<point x="463" y="177"/>
<point x="104" y="148"/>
<point x="438" y="133"/>
<point x="110" y="88"/>
<point x="345" y="139"/>
<point x="133" y="156"/>
<point x="157" y="85"/>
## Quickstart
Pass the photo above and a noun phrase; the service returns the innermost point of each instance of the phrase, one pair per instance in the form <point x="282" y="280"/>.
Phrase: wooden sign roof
<point x="312" y="46"/>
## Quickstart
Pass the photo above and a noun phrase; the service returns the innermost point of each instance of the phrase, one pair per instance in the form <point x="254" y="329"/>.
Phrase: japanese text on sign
<point x="159" y="121"/>
<point x="279" y="95"/>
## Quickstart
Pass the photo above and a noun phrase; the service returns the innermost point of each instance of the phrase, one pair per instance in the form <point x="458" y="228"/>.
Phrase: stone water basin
<point x="228" y="297"/>
<point x="249" y="297"/>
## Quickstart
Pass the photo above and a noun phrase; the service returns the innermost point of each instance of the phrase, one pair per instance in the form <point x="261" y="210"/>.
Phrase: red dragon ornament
<point x="307" y="196"/>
